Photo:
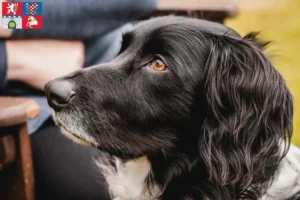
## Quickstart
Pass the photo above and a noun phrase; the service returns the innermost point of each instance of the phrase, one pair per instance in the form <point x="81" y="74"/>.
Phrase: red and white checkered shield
<point x="31" y="8"/>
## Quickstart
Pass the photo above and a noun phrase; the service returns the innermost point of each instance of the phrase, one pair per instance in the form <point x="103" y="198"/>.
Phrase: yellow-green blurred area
<point x="278" y="21"/>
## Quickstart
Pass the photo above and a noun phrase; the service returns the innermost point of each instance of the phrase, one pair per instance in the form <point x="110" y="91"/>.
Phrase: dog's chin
<point x="74" y="137"/>
<point x="70" y="135"/>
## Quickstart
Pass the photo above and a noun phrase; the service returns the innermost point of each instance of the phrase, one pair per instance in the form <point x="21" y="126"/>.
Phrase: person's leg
<point x="65" y="170"/>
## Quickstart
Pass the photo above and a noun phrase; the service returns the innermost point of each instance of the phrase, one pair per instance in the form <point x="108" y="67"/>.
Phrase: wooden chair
<point x="16" y="171"/>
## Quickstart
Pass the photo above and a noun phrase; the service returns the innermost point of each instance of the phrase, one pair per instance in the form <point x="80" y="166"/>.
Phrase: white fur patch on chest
<point x="287" y="181"/>
<point x="127" y="180"/>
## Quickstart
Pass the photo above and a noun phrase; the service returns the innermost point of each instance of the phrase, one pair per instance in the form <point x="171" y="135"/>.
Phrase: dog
<point x="188" y="110"/>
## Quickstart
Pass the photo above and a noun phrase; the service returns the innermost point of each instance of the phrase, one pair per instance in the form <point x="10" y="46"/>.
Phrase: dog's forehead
<point x="148" y="26"/>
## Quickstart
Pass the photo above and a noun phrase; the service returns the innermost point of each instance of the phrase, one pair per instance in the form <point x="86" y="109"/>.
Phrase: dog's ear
<point x="248" y="115"/>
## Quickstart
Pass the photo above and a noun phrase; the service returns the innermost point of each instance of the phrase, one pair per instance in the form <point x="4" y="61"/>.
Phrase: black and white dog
<point x="188" y="110"/>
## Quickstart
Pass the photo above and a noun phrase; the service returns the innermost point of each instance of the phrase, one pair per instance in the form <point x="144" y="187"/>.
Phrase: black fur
<point x="214" y="126"/>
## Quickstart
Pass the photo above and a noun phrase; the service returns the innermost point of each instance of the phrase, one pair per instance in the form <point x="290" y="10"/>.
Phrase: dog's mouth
<point x="74" y="137"/>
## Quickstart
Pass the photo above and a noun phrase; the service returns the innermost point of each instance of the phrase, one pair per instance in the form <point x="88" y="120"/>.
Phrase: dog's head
<point x="186" y="86"/>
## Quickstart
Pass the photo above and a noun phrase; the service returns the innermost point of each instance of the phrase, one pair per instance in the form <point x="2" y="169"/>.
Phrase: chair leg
<point x="16" y="180"/>
<point x="25" y="165"/>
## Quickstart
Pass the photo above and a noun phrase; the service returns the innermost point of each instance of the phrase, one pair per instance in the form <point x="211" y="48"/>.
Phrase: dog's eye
<point x="158" y="65"/>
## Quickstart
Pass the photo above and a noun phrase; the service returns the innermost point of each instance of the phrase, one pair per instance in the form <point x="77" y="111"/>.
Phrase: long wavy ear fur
<point x="248" y="118"/>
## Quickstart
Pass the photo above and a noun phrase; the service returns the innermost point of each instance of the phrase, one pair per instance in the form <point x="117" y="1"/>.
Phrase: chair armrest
<point x="14" y="111"/>
<point x="225" y="6"/>
<point x="212" y="10"/>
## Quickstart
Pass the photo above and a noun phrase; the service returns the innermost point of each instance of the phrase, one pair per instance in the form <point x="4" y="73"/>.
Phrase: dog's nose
<point x="59" y="93"/>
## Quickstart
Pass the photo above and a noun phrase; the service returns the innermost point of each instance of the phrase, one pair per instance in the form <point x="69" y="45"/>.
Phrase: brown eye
<point x="158" y="65"/>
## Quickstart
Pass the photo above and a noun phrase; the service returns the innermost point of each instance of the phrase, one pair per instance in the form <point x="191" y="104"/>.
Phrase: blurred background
<point x="277" y="21"/>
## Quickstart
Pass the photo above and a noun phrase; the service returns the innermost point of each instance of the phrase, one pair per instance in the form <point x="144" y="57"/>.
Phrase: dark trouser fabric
<point x="63" y="169"/>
